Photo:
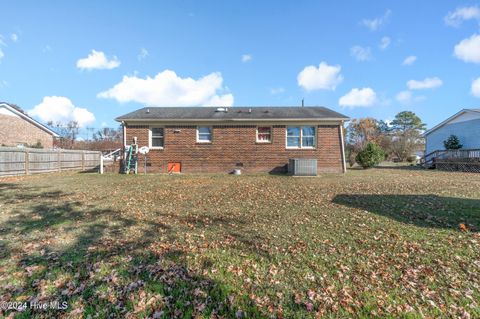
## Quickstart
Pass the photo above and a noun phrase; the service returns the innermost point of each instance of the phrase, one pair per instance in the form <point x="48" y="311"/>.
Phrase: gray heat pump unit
<point x="302" y="167"/>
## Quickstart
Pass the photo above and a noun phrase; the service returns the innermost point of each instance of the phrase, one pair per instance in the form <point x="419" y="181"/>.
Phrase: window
<point x="157" y="137"/>
<point x="301" y="136"/>
<point x="264" y="134"/>
<point x="204" y="134"/>
<point x="293" y="136"/>
<point x="308" y="136"/>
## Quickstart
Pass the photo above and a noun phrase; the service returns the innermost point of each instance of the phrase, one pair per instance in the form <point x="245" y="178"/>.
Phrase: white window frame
<point x="150" y="137"/>
<point x="211" y="134"/>
<point x="301" y="147"/>
<point x="261" y="141"/>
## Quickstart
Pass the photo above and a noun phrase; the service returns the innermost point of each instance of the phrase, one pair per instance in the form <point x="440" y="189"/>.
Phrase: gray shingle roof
<point x="233" y="113"/>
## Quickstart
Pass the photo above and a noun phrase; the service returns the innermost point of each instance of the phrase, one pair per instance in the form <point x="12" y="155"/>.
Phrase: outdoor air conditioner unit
<point x="302" y="167"/>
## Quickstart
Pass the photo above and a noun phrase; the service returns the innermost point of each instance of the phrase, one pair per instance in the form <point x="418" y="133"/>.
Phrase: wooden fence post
<point x="27" y="162"/>
<point x="59" y="162"/>
<point x="83" y="160"/>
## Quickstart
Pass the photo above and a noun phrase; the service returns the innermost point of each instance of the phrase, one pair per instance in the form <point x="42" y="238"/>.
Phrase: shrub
<point x="452" y="143"/>
<point x="351" y="158"/>
<point x="370" y="156"/>
<point x="36" y="145"/>
<point x="412" y="158"/>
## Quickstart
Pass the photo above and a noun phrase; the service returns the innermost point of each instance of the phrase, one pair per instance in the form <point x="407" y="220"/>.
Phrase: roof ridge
<point x="234" y="113"/>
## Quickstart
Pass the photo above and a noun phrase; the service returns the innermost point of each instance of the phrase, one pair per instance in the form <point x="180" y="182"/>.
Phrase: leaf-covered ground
<point x="395" y="243"/>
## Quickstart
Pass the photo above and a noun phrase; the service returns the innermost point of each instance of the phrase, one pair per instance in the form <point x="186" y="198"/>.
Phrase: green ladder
<point x="131" y="159"/>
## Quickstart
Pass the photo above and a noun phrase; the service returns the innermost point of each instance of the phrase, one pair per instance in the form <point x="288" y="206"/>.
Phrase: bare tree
<point x="108" y="134"/>
<point x="68" y="133"/>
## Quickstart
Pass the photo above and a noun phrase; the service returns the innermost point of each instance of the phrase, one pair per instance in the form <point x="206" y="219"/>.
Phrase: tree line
<point x="104" y="139"/>
<point x="369" y="141"/>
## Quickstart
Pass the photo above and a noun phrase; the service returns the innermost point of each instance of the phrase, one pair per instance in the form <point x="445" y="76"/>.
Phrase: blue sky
<point x="93" y="61"/>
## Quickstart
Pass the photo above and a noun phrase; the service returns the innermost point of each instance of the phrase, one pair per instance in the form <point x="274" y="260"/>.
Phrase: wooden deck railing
<point x="450" y="158"/>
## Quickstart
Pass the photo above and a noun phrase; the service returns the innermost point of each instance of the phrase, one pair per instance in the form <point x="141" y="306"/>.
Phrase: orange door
<point x="174" y="167"/>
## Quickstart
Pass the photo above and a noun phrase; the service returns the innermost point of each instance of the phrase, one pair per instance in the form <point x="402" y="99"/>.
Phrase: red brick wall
<point x="14" y="131"/>
<point x="232" y="144"/>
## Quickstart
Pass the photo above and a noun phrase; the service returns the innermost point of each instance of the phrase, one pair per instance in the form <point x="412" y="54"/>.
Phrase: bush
<point x="36" y="145"/>
<point x="452" y="143"/>
<point x="412" y="158"/>
<point x="351" y="158"/>
<point x="370" y="156"/>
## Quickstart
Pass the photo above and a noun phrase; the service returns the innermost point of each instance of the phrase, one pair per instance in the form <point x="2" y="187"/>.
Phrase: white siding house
<point x="465" y="125"/>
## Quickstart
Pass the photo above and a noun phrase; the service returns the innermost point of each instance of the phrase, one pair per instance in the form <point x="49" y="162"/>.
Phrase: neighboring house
<point x="465" y="125"/>
<point x="255" y="139"/>
<point x="19" y="129"/>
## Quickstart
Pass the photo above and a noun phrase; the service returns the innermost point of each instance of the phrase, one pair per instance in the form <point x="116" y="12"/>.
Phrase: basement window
<point x="301" y="137"/>
<point x="204" y="134"/>
<point x="264" y="134"/>
<point x="156" y="137"/>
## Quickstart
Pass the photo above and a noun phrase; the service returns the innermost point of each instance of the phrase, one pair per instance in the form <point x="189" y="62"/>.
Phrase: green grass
<point x="381" y="243"/>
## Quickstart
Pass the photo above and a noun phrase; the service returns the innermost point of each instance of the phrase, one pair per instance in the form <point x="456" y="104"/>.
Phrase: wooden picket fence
<point x="21" y="161"/>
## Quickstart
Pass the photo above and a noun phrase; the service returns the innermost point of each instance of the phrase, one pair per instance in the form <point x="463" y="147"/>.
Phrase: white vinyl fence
<point x="20" y="161"/>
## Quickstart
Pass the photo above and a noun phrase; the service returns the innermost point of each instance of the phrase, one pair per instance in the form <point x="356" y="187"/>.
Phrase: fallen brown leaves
<point x="379" y="243"/>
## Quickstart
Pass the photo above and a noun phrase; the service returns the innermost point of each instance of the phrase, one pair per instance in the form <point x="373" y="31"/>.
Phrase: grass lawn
<point x="389" y="243"/>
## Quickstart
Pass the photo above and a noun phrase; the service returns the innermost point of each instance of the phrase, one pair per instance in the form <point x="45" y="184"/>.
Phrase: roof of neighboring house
<point x="15" y="109"/>
<point x="236" y="113"/>
<point x="451" y="118"/>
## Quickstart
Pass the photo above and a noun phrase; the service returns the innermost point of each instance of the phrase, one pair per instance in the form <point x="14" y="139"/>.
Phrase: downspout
<point x="344" y="162"/>
<point x="124" y="135"/>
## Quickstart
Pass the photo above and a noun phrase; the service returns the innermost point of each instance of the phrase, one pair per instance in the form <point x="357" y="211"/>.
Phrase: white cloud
<point x="358" y="97"/>
<point x="360" y="53"/>
<point x="143" y="54"/>
<point x="2" y="43"/>
<point x="409" y="60"/>
<point x="377" y="23"/>
<point x="476" y="87"/>
<point x="325" y="77"/>
<point x="384" y="43"/>
<point x="246" y="58"/>
<point x="468" y="49"/>
<point x="61" y="109"/>
<point x="97" y="60"/>
<point x="407" y="98"/>
<point x="404" y="97"/>
<point x="168" y="89"/>
<point x="455" y="18"/>
<point x="427" y="83"/>
<point x="275" y="91"/>
<point x="14" y="37"/>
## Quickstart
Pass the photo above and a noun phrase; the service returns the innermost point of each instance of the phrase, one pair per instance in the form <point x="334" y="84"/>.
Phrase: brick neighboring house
<point x="19" y="129"/>
<point x="255" y="139"/>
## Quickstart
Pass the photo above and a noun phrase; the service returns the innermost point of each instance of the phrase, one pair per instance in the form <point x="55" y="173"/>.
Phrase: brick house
<point x="255" y="139"/>
<point x="19" y="129"/>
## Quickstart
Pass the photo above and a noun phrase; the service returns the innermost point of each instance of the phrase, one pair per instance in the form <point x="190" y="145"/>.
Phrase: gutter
<point x="234" y="120"/>
<point x="124" y="135"/>
<point x="344" y="161"/>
